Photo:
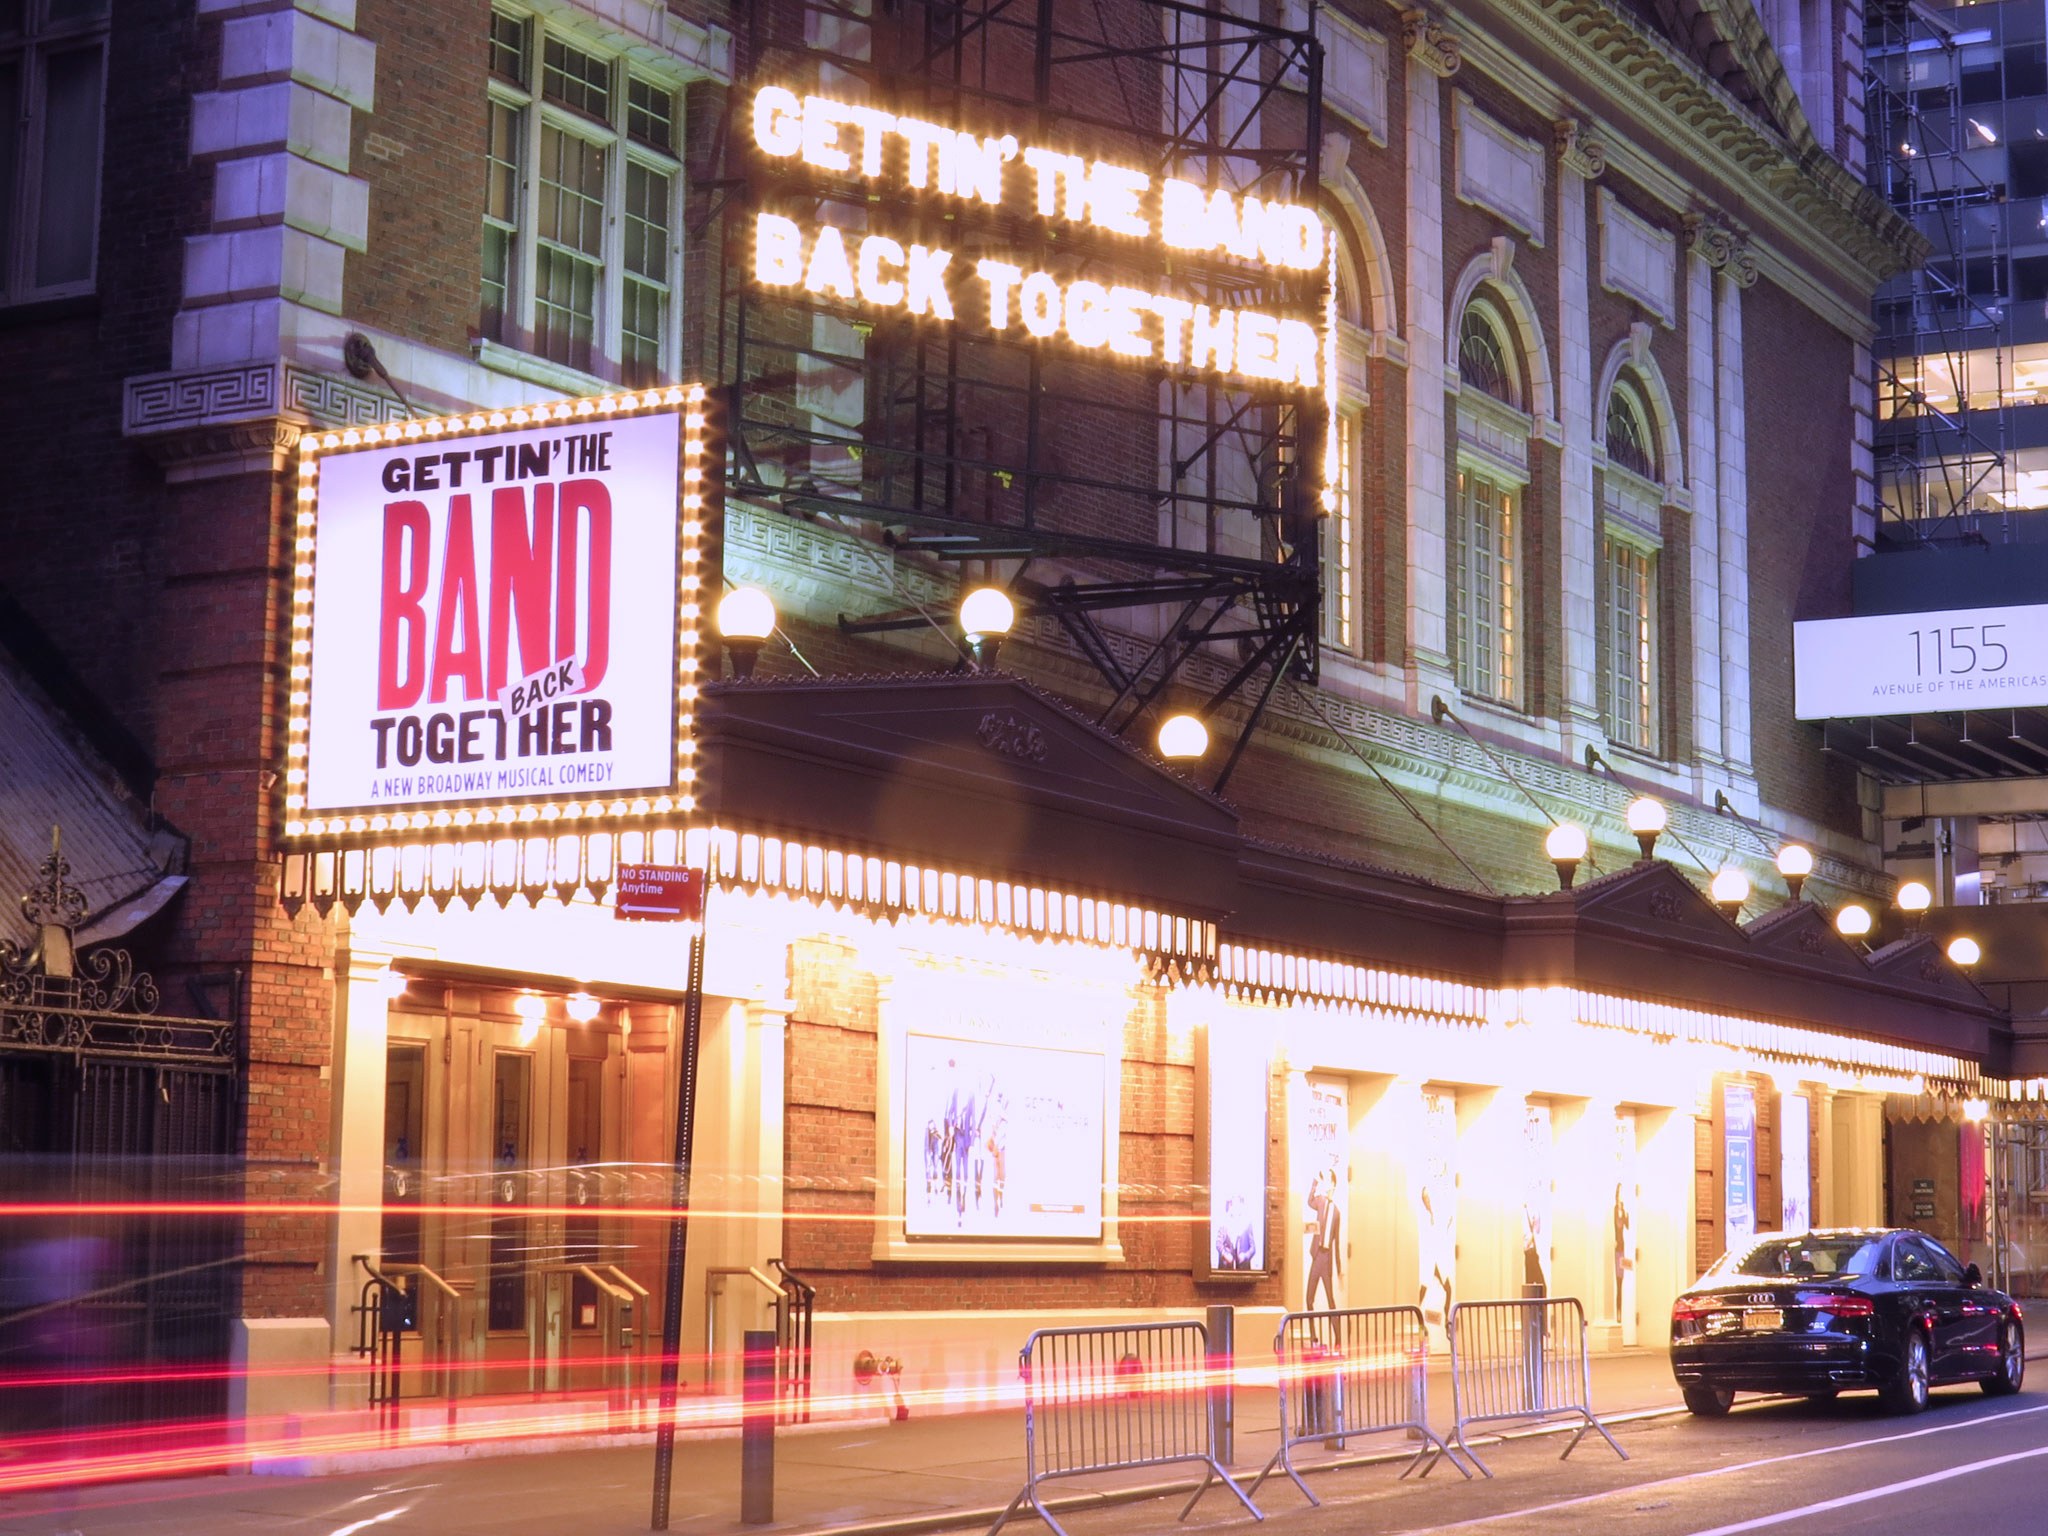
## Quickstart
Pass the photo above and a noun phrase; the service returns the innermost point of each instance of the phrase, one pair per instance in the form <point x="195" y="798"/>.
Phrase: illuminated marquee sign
<point x="495" y="620"/>
<point x="875" y="270"/>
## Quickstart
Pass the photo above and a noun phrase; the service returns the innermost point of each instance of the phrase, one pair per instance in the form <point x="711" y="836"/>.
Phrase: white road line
<point x="1947" y="1473"/>
<point x="1740" y="1466"/>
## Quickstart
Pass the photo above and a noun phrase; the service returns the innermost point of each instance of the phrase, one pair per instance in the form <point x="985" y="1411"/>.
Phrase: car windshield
<point x="1822" y="1258"/>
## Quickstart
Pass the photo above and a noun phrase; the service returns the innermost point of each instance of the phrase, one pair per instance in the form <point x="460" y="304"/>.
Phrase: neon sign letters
<point x="929" y="281"/>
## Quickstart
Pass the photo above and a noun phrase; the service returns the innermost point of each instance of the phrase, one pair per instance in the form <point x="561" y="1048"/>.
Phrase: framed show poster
<point x="1232" y="1084"/>
<point x="1325" y="1192"/>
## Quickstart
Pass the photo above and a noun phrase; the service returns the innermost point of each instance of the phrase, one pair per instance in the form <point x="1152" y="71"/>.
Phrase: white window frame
<point x="607" y="330"/>
<point x="1641" y="644"/>
<point x="1632" y="520"/>
<point x="1508" y="633"/>
<point x="1340" y="535"/>
<point x="31" y="50"/>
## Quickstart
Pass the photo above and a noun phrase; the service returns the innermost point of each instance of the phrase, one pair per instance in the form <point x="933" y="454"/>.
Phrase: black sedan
<point x="1825" y="1312"/>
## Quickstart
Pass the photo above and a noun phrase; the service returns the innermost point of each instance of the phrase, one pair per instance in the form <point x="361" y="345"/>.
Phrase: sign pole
<point x="678" y="1228"/>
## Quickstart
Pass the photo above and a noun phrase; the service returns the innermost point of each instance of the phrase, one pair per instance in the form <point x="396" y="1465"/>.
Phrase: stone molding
<point x="1430" y="43"/>
<point x="1722" y="248"/>
<point x="1577" y="151"/>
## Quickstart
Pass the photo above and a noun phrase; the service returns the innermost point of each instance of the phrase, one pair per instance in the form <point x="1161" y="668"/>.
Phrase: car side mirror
<point x="1972" y="1275"/>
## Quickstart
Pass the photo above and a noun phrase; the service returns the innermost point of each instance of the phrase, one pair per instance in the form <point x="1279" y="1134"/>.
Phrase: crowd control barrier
<point x="1111" y="1399"/>
<point x="1358" y="1372"/>
<point x="1521" y="1360"/>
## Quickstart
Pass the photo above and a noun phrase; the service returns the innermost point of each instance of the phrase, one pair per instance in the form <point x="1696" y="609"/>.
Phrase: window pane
<point x="511" y="1077"/>
<point x="508" y="48"/>
<point x="564" y="306"/>
<point x="504" y="132"/>
<point x="640" y="333"/>
<point x="647" y="204"/>
<point x="1482" y="360"/>
<point x="69" y="202"/>
<point x="501" y="158"/>
<point x="571" y="191"/>
<point x="577" y="80"/>
<point x="651" y="114"/>
<point x="1340" y="534"/>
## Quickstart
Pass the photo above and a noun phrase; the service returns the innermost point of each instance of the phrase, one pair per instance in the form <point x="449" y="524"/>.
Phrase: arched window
<point x="1483" y="355"/>
<point x="1628" y="433"/>
<point x="1485" y="535"/>
<point x="1632" y="539"/>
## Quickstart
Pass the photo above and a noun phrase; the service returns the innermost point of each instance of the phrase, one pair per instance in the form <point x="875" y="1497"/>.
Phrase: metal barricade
<point x="1521" y="1360"/>
<point x="1113" y="1399"/>
<point x="1359" y="1372"/>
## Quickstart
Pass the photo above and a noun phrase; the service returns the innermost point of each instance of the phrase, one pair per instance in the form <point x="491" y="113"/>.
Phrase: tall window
<point x="1485" y="552"/>
<point x="1631" y="505"/>
<point x="52" y="95"/>
<point x="580" y="206"/>
<point x="1340" y="539"/>
<point x="1485" y="524"/>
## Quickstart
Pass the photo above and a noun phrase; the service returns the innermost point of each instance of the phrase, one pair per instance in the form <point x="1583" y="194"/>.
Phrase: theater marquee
<point x="495" y="620"/>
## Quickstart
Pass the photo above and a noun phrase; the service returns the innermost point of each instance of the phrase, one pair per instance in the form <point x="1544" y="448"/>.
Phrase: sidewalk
<point x="855" y="1478"/>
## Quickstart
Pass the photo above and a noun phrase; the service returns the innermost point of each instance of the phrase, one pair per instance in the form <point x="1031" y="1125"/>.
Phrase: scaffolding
<point x="1943" y="342"/>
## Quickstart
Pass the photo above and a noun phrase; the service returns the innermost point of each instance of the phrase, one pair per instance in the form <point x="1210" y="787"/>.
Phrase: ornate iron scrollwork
<point x="54" y="999"/>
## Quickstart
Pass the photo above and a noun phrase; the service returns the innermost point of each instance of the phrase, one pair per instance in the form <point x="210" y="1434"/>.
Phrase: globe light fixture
<point x="1566" y="846"/>
<point x="1914" y="898"/>
<point x="746" y="618"/>
<point x="1646" y="818"/>
<point x="1795" y="863"/>
<point x="986" y="615"/>
<point x="1182" y="738"/>
<point x="1964" y="951"/>
<point x="1853" y="922"/>
<point x="582" y="1007"/>
<point x="1730" y="889"/>
<point x="1976" y="1111"/>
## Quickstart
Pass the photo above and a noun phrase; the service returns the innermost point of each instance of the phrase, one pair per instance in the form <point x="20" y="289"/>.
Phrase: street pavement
<point x="1969" y="1463"/>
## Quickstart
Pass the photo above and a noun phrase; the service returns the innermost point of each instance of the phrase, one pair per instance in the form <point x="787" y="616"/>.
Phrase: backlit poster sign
<point x="1234" y="1079"/>
<point x="1001" y="1141"/>
<point x="496" y="611"/>
<point x="1738" y="1140"/>
<point x="1918" y="663"/>
<point x="1795" y="1179"/>
<point x="1326" y="1202"/>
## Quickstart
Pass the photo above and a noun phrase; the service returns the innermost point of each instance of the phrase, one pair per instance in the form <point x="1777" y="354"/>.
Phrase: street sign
<point x="659" y="891"/>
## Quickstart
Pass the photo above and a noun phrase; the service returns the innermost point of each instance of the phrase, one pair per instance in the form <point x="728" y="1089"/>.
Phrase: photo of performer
<point x="1237" y="1243"/>
<point x="1325" y="1237"/>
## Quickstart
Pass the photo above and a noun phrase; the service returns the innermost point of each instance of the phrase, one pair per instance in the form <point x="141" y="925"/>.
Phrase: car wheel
<point x="2012" y="1364"/>
<point x="1906" y="1392"/>
<point x="1707" y="1402"/>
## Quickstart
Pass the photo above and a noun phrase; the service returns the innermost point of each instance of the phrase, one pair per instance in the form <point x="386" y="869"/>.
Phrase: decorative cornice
<point x="1431" y="44"/>
<point x="1817" y="204"/>
<point x="1584" y="156"/>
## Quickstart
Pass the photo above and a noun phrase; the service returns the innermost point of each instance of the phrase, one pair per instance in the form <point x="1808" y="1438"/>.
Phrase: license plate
<point x="1762" y="1319"/>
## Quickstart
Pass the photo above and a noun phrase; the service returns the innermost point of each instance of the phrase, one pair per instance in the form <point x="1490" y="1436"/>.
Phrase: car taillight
<point x="1689" y="1309"/>
<point x="1842" y="1306"/>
